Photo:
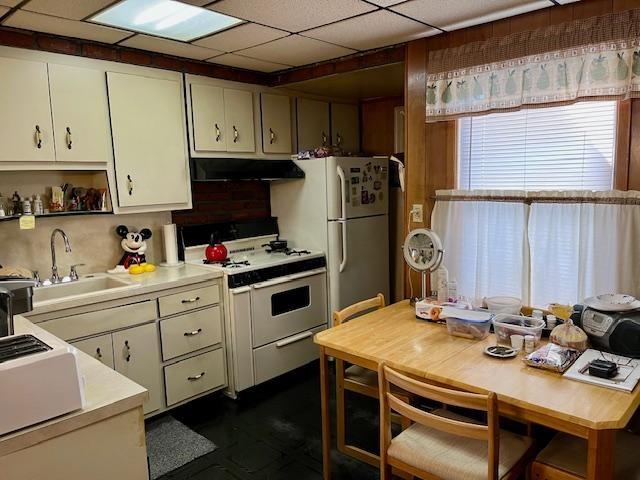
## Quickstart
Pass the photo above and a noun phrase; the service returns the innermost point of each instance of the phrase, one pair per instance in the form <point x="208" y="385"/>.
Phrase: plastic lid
<point x="466" y="315"/>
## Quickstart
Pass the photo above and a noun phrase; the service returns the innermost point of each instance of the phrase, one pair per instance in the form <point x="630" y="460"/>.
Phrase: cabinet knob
<point x="130" y="184"/>
<point x="127" y="351"/>
<point x="272" y="136"/>
<point x="324" y="139"/>
<point x="38" y="137"/>
<point x="193" y="378"/>
<point x="69" y="143"/>
<point x="235" y="134"/>
<point x="338" y="139"/>
<point x="218" y="133"/>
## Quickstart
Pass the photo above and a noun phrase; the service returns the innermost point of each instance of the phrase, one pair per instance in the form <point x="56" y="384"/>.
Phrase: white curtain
<point x="484" y="238"/>
<point x="584" y="244"/>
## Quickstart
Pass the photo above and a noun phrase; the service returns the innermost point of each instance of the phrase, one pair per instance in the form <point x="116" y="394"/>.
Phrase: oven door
<point x="288" y="305"/>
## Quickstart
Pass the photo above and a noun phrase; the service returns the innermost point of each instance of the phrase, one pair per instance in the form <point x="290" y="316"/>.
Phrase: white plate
<point x="509" y="352"/>
<point x="596" y="304"/>
<point x="616" y="299"/>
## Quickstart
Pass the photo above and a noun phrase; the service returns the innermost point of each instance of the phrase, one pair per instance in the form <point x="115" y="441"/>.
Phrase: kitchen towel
<point x="171" y="444"/>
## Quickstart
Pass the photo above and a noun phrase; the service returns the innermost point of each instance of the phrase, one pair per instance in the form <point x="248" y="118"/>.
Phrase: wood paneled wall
<point x="430" y="148"/>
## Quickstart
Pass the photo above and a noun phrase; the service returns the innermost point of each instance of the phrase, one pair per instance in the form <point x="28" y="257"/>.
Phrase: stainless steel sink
<point x="85" y="286"/>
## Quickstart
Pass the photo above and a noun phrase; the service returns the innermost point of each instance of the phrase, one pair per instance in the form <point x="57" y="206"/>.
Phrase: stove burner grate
<point x="297" y="252"/>
<point x="228" y="263"/>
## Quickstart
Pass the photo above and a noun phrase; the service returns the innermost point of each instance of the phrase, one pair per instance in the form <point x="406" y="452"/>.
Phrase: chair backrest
<point x="352" y="310"/>
<point x="485" y="403"/>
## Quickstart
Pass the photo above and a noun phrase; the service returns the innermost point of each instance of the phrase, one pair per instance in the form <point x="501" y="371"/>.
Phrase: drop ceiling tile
<point x="564" y="2"/>
<point x="465" y="13"/>
<point x="3" y="10"/>
<point x="170" y="47"/>
<point x="62" y="26"/>
<point x="233" y="60"/>
<point x="373" y="30"/>
<point x="73" y="9"/>
<point x="292" y="15"/>
<point x="242" y="36"/>
<point x="9" y="3"/>
<point x="386" y="3"/>
<point x="296" y="50"/>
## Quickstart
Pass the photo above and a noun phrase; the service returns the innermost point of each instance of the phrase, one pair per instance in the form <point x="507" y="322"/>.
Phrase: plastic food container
<point x="509" y="305"/>
<point x="467" y="323"/>
<point x="506" y="325"/>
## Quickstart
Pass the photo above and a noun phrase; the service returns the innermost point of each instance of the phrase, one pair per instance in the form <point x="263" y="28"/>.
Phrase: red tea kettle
<point x="216" y="251"/>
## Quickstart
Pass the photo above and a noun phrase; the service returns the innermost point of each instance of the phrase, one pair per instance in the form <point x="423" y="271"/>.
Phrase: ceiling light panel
<point x="292" y="15"/>
<point x="165" y="18"/>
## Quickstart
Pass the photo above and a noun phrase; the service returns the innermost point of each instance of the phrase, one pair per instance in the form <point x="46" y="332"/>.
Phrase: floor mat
<point x="171" y="444"/>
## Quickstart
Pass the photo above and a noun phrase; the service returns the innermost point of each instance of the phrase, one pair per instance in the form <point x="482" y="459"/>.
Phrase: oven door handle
<point x="294" y="339"/>
<point x="239" y="290"/>
<point x="287" y="279"/>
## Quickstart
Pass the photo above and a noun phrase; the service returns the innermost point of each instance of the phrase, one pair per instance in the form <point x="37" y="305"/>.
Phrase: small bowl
<point x="508" y="305"/>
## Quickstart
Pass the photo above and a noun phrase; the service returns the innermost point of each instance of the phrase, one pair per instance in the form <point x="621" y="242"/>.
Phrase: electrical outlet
<point x="416" y="213"/>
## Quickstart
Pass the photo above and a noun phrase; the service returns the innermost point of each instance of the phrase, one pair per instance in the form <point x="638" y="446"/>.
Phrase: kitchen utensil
<point x="509" y="305"/>
<point x="216" y="251"/>
<point x="423" y="253"/>
<point x="499" y="351"/>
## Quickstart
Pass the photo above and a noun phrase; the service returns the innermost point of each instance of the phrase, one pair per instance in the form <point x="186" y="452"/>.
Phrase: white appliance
<point x="275" y="302"/>
<point x="341" y="208"/>
<point x="39" y="382"/>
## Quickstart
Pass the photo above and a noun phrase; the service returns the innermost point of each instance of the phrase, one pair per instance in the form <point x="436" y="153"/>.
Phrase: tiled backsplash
<point x="93" y="241"/>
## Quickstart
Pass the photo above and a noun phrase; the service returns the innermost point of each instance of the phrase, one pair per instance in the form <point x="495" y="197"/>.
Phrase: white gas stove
<point x="275" y="301"/>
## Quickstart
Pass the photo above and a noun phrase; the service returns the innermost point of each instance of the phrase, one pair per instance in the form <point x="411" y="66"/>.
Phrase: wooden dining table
<point x="425" y="350"/>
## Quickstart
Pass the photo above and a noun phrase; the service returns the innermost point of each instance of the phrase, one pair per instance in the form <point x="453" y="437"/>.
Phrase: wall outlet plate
<point x="416" y="213"/>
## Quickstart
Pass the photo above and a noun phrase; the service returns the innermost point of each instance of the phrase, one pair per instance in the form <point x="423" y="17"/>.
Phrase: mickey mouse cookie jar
<point x="134" y="245"/>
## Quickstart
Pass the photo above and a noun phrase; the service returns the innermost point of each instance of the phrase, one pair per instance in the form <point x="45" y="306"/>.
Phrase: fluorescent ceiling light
<point x="165" y="18"/>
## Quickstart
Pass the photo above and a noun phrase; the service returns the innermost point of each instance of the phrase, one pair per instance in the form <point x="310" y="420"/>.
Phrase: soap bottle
<point x="443" y="284"/>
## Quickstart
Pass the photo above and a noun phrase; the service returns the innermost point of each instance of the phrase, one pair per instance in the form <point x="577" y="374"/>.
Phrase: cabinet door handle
<point x="218" y="133"/>
<point x="127" y="350"/>
<point x="272" y="136"/>
<point x="338" y="139"/>
<point x="38" y="137"/>
<point x="98" y="353"/>
<point x="235" y="134"/>
<point x="193" y="378"/>
<point x="193" y="334"/>
<point x="324" y="139"/>
<point x="130" y="184"/>
<point x="69" y="143"/>
<point x="191" y="300"/>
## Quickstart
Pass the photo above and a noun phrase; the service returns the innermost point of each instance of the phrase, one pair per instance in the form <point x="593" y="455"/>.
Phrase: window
<point x="571" y="147"/>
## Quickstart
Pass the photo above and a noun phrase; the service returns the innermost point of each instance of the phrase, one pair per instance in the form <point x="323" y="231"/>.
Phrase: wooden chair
<point x="565" y="458"/>
<point x="442" y="444"/>
<point x="356" y="379"/>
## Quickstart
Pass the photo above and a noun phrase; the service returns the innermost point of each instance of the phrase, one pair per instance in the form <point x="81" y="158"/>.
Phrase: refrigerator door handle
<point x="343" y="194"/>
<point x="343" y="262"/>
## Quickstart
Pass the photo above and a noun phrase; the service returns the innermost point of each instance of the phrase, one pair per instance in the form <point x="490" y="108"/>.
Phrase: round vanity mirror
<point x="423" y="252"/>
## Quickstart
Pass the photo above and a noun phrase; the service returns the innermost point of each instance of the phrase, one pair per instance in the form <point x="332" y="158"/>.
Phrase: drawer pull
<point x="218" y="133"/>
<point x="69" y="142"/>
<point x="38" y="137"/>
<point x="127" y="349"/>
<point x="236" y="134"/>
<point x="193" y="378"/>
<point x="294" y="339"/>
<point x="272" y="136"/>
<point x="191" y="300"/>
<point x="192" y="334"/>
<point x="98" y="353"/>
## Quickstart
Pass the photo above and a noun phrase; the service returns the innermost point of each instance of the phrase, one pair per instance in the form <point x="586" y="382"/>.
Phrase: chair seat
<point x="361" y="375"/>
<point x="569" y="453"/>
<point x="452" y="457"/>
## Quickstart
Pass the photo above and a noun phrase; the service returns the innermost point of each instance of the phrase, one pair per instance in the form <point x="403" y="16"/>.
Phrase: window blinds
<point x="569" y="147"/>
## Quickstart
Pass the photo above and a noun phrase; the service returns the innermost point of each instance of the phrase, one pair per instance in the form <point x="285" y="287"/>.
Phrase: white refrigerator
<point x="341" y="208"/>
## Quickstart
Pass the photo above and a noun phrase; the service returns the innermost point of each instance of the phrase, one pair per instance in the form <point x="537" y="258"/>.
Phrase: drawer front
<point x="285" y="355"/>
<point x="190" y="332"/>
<point x="194" y="375"/>
<point x="92" y="323"/>
<point x="189" y="300"/>
<point x="100" y="348"/>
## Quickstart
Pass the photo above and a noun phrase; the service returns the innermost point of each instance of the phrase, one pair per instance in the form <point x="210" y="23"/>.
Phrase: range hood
<point x="220" y="169"/>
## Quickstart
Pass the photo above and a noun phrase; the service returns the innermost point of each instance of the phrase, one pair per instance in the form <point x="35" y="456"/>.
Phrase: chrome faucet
<point x="55" y="278"/>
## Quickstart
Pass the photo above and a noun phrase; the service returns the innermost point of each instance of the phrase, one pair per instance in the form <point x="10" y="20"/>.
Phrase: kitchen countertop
<point x="107" y="394"/>
<point x="163" y="278"/>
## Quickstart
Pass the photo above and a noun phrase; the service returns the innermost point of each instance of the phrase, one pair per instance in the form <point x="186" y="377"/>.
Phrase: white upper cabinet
<point x="313" y="123"/>
<point x="209" y="129"/>
<point x="26" y="131"/>
<point x="276" y="123"/>
<point x="80" y="114"/>
<point x="345" y="131"/>
<point x="238" y="112"/>
<point x="149" y="141"/>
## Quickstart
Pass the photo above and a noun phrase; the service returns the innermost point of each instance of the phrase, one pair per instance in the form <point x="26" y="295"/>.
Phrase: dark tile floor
<point x="273" y="432"/>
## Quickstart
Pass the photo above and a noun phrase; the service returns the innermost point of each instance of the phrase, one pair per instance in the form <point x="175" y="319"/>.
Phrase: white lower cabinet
<point x="100" y="348"/>
<point x="137" y="356"/>
<point x="194" y="376"/>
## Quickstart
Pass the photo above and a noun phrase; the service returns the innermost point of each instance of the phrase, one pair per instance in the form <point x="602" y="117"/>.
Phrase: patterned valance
<point x="595" y="58"/>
